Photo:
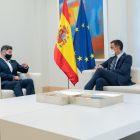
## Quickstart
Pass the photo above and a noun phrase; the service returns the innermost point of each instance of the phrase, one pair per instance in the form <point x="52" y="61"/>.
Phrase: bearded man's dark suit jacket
<point x="7" y="78"/>
<point x="120" y="76"/>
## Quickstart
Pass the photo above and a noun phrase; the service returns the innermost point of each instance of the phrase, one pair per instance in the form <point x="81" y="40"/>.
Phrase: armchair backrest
<point x="135" y="74"/>
<point x="0" y="89"/>
<point x="37" y="79"/>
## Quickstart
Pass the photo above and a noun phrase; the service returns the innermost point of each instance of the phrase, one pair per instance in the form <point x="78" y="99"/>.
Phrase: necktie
<point x="113" y="63"/>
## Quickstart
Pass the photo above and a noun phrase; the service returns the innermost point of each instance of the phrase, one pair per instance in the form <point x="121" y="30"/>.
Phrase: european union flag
<point x="82" y="42"/>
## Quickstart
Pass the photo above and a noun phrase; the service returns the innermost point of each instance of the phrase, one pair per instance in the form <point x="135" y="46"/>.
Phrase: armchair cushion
<point x="10" y="93"/>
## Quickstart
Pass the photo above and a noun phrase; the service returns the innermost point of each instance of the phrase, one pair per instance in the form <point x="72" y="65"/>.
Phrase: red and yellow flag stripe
<point x="64" y="55"/>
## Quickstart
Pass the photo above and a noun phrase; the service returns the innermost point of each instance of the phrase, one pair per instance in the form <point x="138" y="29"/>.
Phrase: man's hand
<point x="96" y="67"/>
<point x="17" y="78"/>
<point x="99" y="66"/>
<point x="24" y="65"/>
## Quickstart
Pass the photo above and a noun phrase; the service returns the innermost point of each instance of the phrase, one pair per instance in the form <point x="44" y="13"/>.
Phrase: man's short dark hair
<point x="118" y="43"/>
<point x="6" y="47"/>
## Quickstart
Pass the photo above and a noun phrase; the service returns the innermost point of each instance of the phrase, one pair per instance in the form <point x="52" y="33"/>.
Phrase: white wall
<point x="133" y="30"/>
<point x="17" y="30"/>
<point x="42" y="13"/>
<point x="117" y="26"/>
<point x="56" y="76"/>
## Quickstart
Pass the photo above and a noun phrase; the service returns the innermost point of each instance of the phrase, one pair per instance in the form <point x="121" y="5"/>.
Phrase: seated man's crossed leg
<point x="102" y="78"/>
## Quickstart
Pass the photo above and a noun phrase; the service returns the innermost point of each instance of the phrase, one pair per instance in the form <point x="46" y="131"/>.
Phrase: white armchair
<point x="36" y="77"/>
<point x="135" y="73"/>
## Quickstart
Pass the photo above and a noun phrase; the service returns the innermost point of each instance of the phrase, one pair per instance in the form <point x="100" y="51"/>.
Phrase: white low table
<point x="72" y="122"/>
<point x="19" y="105"/>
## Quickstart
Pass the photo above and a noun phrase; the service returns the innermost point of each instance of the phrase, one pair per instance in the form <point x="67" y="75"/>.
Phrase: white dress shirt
<point x="9" y="65"/>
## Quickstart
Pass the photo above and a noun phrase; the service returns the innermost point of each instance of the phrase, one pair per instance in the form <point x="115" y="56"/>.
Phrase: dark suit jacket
<point x="123" y="69"/>
<point x="5" y="72"/>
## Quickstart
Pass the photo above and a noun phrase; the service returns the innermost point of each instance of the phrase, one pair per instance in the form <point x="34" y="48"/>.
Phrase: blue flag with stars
<point x="82" y="42"/>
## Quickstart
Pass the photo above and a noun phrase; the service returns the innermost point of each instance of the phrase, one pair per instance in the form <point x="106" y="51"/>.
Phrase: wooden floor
<point x="50" y="88"/>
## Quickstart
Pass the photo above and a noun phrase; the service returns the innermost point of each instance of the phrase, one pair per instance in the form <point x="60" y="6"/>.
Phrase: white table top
<point x="128" y="97"/>
<point x="19" y="105"/>
<point x="86" y="123"/>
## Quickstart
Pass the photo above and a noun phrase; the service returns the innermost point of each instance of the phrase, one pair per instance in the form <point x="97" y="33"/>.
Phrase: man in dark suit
<point x="8" y="73"/>
<point x="117" y="72"/>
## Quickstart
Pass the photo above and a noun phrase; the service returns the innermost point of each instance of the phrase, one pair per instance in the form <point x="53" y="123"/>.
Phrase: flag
<point x="82" y="42"/>
<point x="64" y="55"/>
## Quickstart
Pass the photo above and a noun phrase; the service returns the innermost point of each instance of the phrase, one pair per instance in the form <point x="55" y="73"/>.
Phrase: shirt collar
<point x="119" y="55"/>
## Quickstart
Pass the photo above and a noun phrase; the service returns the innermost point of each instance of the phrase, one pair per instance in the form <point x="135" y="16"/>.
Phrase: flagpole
<point x="68" y="83"/>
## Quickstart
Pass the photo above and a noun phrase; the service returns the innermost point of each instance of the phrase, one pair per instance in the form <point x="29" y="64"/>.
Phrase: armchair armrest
<point x="0" y="89"/>
<point x="87" y="75"/>
<point x="36" y="77"/>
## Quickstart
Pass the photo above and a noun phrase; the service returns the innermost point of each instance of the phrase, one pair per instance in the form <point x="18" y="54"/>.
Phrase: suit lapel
<point x="11" y="62"/>
<point x="120" y="59"/>
<point x="5" y="64"/>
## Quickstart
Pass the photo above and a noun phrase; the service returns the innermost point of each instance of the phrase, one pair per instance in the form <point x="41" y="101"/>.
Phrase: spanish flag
<point x="64" y="55"/>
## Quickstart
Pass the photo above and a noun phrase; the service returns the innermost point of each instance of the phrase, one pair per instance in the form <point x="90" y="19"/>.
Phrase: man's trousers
<point x="18" y="85"/>
<point x="102" y="78"/>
